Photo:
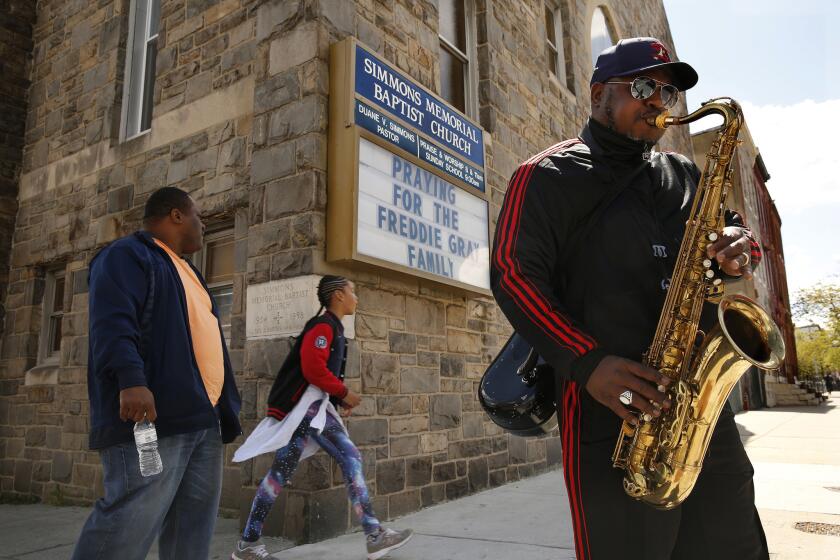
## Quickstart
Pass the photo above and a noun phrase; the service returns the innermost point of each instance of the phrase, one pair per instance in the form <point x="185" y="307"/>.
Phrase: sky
<point x="781" y="61"/>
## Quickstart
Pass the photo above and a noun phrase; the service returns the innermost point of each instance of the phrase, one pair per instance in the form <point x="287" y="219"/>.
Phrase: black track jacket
<point x="578" y="291"/>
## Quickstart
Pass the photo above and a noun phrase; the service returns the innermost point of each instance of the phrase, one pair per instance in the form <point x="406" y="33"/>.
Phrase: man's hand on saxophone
<point x="614" y="377"/>
<point x="732" y="251"/>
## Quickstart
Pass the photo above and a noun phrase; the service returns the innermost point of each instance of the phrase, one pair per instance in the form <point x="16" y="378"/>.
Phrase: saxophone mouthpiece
<point x="660" y="121"/>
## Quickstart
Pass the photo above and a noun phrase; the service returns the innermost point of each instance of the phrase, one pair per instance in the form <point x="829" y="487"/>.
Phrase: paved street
<point x="796" y="454"/>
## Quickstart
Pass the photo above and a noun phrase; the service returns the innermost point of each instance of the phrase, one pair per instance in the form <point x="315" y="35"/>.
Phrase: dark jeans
<point x="179" y="504"/>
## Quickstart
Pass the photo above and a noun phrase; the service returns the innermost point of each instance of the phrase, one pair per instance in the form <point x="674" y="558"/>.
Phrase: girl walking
<point x="302" y="416"/>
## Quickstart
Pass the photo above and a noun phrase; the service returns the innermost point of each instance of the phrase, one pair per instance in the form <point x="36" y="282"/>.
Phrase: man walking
<point x="157" y="351"/>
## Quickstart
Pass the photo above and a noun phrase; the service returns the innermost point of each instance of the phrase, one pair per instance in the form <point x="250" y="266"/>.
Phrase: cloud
<point x="799" y="146"/>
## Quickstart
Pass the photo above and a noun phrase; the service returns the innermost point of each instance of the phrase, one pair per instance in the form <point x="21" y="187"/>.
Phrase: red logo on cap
<point x="660" y="53"/>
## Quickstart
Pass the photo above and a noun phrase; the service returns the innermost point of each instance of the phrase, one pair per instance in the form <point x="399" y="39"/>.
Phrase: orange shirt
<point x="204" y="328"/>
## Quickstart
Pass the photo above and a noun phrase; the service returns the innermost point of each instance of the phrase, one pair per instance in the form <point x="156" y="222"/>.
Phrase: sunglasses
<point x="644" y="87"/>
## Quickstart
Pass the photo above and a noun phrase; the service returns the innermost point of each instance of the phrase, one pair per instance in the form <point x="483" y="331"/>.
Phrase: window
<point x="456" y="35"/>
<point x="140" y="68"/>
<point x="216" y="263"/>
<point x="50" y="342"/>
<point x="600" y="35"/>
<point x="554" y="44"/>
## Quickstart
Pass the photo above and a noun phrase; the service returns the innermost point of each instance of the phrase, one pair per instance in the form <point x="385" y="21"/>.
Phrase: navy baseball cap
<point x="631" y="56"/>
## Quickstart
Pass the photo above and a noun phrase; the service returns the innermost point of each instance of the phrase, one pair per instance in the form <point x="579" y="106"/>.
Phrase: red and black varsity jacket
<point x="318" y="357"/>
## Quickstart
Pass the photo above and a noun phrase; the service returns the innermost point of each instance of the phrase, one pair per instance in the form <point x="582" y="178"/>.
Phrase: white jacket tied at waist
<point x="272" y="434"/>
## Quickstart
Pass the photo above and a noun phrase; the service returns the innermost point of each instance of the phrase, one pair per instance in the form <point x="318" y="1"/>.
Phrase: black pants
<point x="718" y="521"/>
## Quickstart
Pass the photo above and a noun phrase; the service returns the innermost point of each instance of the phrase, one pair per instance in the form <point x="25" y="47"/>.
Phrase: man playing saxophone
<point x="585" y="247"/>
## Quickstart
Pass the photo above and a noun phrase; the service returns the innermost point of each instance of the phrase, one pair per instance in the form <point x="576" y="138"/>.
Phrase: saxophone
<point x="662" y="457"/>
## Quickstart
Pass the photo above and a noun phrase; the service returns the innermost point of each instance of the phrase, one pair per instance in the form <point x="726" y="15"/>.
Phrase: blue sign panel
<point x="386" y="128"/>
<point x="390" y="130"/>
<point x="448" y="163"/>
<point x="390" y="90"/>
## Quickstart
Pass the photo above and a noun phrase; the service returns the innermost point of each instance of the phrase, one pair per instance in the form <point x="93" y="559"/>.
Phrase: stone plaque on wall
<point x="281" y="308"/>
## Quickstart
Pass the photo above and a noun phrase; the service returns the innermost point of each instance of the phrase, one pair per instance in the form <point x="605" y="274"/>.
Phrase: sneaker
<point x="250" y="551"/>
<point x="386" y="541"/>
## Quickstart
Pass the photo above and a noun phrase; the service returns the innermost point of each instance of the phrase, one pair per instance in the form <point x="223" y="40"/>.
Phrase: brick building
<point x="105" y="101"/>
<point x="776" y="293"/>
<point x="751" y="198"/>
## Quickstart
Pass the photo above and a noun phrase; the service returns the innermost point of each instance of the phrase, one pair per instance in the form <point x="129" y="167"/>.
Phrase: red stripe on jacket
<point x="755" y="250"/>
<point x="513" y="281"/>
<point x="524" y="293"/>
<point x="530" y="287"/>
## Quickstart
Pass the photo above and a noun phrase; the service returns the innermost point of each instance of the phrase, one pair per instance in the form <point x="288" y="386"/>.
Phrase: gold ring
<point x="747" y="259"/>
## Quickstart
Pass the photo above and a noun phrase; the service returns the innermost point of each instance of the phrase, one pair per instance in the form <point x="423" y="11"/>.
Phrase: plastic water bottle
<point x="145" y="436"/>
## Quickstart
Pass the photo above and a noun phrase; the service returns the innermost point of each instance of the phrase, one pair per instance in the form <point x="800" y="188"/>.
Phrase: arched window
<point x="601" y="36"/>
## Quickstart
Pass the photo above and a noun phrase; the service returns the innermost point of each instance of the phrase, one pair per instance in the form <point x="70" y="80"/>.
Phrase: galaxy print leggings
<point x="334" y="441"/>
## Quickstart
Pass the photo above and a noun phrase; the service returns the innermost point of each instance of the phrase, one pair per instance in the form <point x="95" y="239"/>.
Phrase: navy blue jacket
<point x="140" y="336"/>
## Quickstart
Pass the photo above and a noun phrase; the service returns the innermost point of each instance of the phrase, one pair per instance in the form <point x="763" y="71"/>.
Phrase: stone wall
<point x="81" y="188"/>
<point x="15" y="66"/>
<point x="240" y="121"/>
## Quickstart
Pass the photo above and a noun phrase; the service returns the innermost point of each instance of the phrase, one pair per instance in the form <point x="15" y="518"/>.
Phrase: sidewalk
<point x="523" y="520"/>
<point x="796" y="454"/>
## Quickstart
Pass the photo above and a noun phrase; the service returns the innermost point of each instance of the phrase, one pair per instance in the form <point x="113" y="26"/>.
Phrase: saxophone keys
<point x="640" y="483"/>
<point x="661" y="472"/>
<point x="710" y="274"/>
<point x="707" y="263"/>
<point x="713" y="237"/>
